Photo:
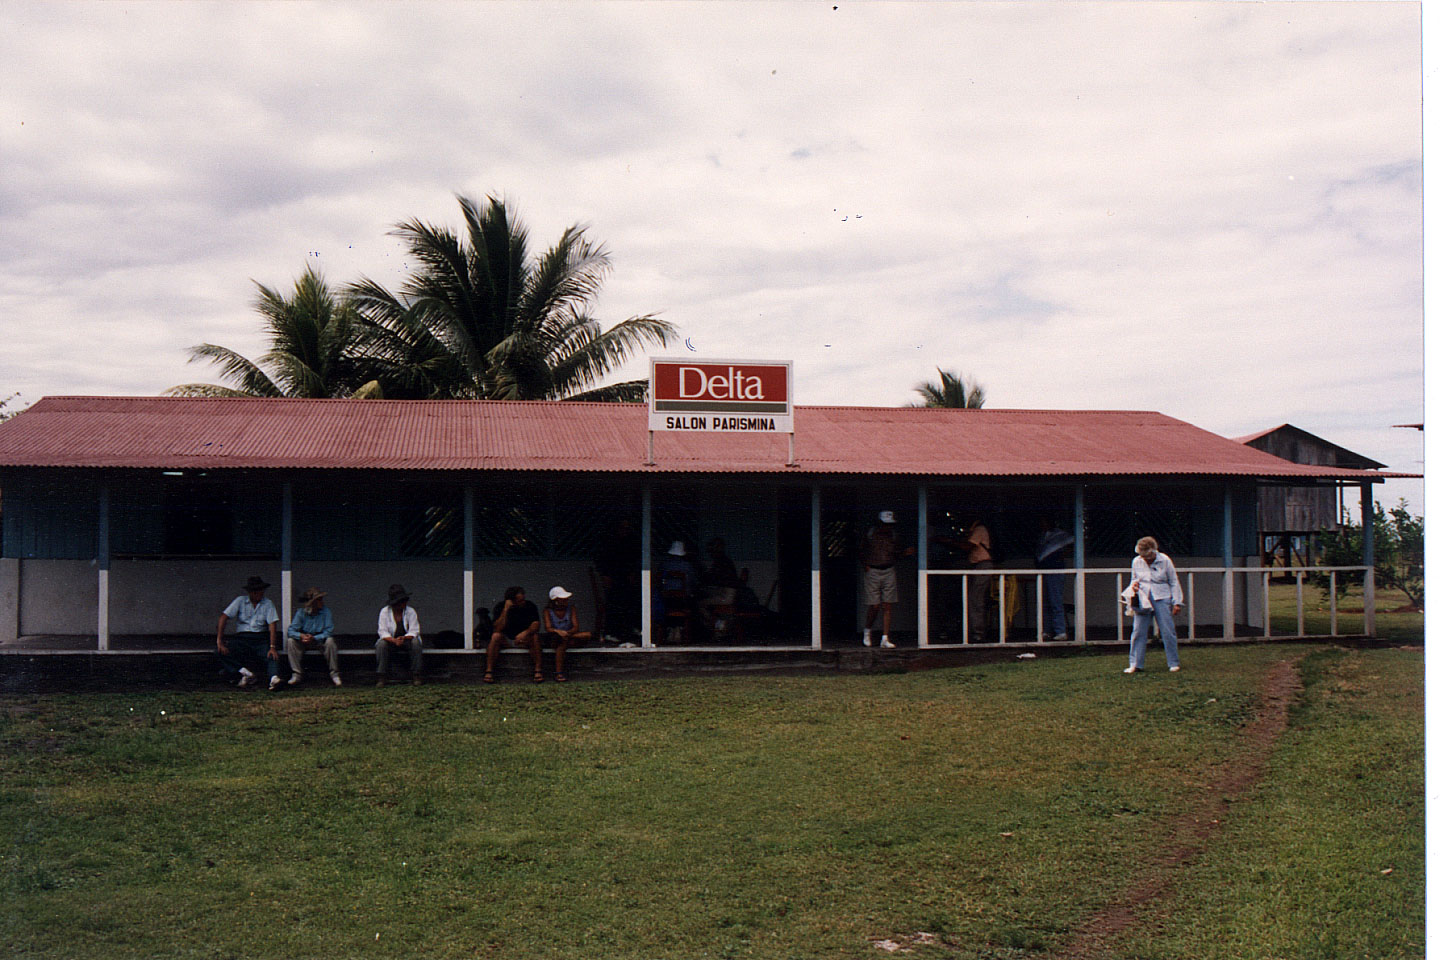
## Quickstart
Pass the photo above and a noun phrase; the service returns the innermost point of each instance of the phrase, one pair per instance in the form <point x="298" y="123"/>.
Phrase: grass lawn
<point x="1393" y="619"/>
<point x="995" y="807"/>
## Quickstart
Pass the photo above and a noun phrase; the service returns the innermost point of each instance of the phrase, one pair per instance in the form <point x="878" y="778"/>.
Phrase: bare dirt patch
<point x="1155" y="880"/>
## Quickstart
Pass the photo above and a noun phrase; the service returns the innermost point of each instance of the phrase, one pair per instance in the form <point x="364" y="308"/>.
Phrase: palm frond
<point x="628" y="391"/>
<point x="249" y="379"/>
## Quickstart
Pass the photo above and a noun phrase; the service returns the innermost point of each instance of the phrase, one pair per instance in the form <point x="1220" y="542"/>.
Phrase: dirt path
<point x="1156" y="879"/>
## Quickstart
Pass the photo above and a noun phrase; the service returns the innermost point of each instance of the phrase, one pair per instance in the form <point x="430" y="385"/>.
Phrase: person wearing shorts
<point x="882" y="590"/>
<point x="517" y="624"/>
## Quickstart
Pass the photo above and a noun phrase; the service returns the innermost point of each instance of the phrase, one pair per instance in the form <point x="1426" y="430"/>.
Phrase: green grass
<point x="1327" y="861"/>
<point x="995" y="807"/>
<point x="1392" y="623"/>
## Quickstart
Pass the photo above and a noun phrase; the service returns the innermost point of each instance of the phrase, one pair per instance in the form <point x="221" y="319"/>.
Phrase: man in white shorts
<point x="882" y="591"/>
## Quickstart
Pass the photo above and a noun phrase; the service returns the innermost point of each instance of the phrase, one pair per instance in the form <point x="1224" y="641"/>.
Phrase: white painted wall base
<point x="9" y="599"/>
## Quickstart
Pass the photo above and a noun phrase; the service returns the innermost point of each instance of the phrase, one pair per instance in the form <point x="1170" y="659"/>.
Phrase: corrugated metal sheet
<point x="205" y="433"/>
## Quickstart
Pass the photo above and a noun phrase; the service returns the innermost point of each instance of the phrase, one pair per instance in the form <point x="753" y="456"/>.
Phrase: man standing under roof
<point x="882" y="590"/>
<point x="245" y="655"/>
<point x="977" y="545"/>
<point x="399" y="628"/>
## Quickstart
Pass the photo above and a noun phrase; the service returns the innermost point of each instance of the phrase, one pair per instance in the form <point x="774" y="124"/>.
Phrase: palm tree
<point x="951" y="392"/>
<point x="481" y="319"/>
<point x="317" y="349"/>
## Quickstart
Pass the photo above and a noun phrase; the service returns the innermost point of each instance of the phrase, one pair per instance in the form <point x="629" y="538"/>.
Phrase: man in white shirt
<point x="399" y="629"/>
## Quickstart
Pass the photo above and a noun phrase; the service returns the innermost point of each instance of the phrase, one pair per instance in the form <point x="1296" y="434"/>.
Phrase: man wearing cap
<point x="245" y="655"/>
<point x="882" y="590"/>
<point x="562" y="627"/>
<point x="400" y="630"/>
<point x="313" y="628"/>
<point x="517" y="622"/>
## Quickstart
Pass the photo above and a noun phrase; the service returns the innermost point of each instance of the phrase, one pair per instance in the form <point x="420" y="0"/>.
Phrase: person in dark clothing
<point x="516" y="623"/>
<point x="617" y="568"/>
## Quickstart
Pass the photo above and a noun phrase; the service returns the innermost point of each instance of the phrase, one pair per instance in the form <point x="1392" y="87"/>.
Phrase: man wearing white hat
<point x="882" y="590"/>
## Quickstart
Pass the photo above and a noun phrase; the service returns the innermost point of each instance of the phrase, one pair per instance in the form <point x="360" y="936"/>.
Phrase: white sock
<point x="867" y="633"/>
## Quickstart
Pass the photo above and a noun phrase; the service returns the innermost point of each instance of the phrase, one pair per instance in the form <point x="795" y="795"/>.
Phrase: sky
<point x="1208" y="209"/>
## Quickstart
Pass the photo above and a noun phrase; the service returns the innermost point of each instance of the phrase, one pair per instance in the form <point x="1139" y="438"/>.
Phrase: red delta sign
<point x="714" y="396"/>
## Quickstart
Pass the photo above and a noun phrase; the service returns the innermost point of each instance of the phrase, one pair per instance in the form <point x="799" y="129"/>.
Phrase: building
<point x="1287" y="515"/>
<point x="138" y="518"/>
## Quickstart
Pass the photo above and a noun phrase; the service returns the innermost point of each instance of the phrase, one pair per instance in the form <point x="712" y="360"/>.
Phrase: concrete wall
<point x="9" y="599"/>
<point x="186" y="596"/>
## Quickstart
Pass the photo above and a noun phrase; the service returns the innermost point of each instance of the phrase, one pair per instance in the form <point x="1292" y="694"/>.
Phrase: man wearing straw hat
<point x="313" y="628"/>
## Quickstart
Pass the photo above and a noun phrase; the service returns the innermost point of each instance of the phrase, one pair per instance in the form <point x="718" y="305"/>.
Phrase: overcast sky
<point x="1211" y="210"/>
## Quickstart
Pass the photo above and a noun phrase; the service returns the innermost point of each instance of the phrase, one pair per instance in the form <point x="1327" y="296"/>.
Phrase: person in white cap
<point x="881" y="551"/>
<point x="562" y="627"/>
<point x="678" y="583"/>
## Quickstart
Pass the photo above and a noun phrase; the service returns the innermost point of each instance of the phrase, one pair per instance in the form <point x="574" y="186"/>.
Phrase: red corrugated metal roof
<point x="206" y="433"/>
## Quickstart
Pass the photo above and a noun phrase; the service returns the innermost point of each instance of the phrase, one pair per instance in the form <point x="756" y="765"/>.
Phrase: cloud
<point x="1208" y="209"/>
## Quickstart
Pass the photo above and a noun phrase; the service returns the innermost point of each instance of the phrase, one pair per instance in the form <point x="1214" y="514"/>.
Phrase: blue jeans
<point x="1054" y="591"/>
<point x="248" y="650"/>
<point x="1140" y="635"/>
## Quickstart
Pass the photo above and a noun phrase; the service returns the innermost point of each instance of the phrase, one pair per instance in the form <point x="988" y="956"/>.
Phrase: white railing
<point x="1266" y="573"/>
<point x="1079" y="633"/>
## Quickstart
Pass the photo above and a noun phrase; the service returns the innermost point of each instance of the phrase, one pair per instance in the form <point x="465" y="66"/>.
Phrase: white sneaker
<point x="885" y="642"/>
<point x="1129" y="670"/>
<point x="866" y="639"/>
<point x="1061" y="638"/>
<point x="335" y="679"/>
<point x="1174" y="669"/>
<point x="276" y="683"/>
<point x="247" y="678"/>
<point x="294" y="679"/>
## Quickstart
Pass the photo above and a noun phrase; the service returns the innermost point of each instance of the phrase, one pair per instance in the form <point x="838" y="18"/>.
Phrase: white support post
<point x="287" y="536"/>
<point x="102" y="560"/>
<point x="647" y="639"/>
<point x="1227" y="537"/>
<point x="1299" y="603"/>
<point x="1119" y="608"/>
<point x="1367" y="532"/>
<point x="922" y="551"/>
<point x="1265" y="596"/>
<point x="965" y="608"/>
<point x="815" y="554"/>
<point x="1002" y="618"/>
<point x="1040" y="606"/>
<point x="1079" y="563"/>
<point x="467" y="583"/>
<point x="1190" y="607"/>
<point x="1334" y="619"/>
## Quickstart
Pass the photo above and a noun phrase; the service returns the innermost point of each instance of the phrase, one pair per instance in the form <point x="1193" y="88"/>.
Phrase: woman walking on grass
<point x="1155" y="594"/>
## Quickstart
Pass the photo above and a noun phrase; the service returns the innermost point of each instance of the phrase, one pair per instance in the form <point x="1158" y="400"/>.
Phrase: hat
<point x="887" y="516"/>
<point x="310" y="596"/>
<point x="255" y="583"/>
<point x="677" y="549"/>
<point x="559" y="592"/>
<point x="398" y="593"/>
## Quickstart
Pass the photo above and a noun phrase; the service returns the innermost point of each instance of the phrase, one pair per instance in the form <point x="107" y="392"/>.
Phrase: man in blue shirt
<point x="245" y="655"/>
<point x="312" y="628"/>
